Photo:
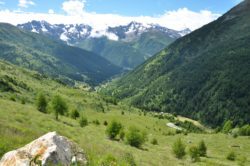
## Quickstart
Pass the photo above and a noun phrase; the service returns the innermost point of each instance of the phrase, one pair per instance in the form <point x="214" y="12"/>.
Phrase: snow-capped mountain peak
<point x="73" y="33"/>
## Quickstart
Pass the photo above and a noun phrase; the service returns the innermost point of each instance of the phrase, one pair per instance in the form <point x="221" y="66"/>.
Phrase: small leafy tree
<point x="74" y="114"/>
<point x="83" y="121"/>
<point x="202" y="149"/>
<point x="41" y="103"/>
<point x="113" y="129"/>
<point x="135" y="137"/>
<point x="179" y="149"/>
<point x="194" y="153"/>
<point x="59" y="106"/>
<point x="227" y="126"/>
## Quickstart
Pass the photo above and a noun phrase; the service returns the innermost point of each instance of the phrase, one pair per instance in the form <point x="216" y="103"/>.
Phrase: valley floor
<point x="20" y="124"/>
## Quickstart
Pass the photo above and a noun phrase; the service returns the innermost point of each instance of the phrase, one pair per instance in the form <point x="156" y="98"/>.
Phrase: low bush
<point x="202" y="149"/>
<point x="105" y="123"/>
<point x="194" y="153"/>
<point x="41" y="103"/>
<point x="129" y="159"/>
<point x="245" y="130"/>
<point x="154" y="141"/>
<point x="227" y="127"/>
<point x="96" y="122"/>
<point x="135" y="137"/>
<point x="113" y="129"/>
<point x="74" y="114"/>
<point x="178" y="149"/>
<point x="231" y="156"/>
<point x="83" y="121"/>
<point x="109" y="160"/>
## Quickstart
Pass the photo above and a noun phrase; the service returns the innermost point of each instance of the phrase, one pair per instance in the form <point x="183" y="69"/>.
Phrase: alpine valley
<point x="131" y="95"/>
<point x="126" y="46"/>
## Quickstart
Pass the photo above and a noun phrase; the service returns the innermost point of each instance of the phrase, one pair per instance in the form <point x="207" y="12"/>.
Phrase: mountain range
<point x="54" y="58"/>
<point x="126" y="46"/>
<point x="204" y="75"/>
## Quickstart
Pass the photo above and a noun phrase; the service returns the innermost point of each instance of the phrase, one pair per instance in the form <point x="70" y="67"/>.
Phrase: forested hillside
<point x="53" y="58"/>
<point x="204" y="75"/>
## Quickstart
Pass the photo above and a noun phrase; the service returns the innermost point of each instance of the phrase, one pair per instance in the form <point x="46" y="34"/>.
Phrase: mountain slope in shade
<point x="126" y="46"/>
<point x="204" y="75"/>
<point x="54" y="58"/>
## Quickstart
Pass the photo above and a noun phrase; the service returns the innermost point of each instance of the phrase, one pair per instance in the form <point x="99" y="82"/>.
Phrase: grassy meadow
<point x="21" y="122"/>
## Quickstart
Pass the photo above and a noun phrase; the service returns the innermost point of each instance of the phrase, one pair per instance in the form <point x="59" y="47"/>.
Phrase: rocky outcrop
<point x="50" y="149"/>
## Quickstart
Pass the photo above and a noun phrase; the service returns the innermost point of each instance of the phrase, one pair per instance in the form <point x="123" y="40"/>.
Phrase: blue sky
<point x="128" y="7"/>
<point x="175" y="14"/>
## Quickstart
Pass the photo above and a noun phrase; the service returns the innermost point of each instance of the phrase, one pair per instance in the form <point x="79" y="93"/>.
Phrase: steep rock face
<point x="50" y="149"/>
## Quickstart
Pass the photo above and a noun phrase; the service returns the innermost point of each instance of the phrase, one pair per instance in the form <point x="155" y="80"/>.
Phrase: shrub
<point x="194" y="153"/>
<point x="135" y="137"/>
<point x="129" y="158"/>
<point x="105" y="123"/>
<point x="96" y="122"/>
<point x="83" y="121"/>
<point x="227" y="126"/>
<point x="202" y="149"/>
<point x="245" y="130"/>
<point x="154" y="141"/>
<point x="41" y="103"/>
<point x="59" y="106"/>
<point x="122" y="135"/>
<point x="122" y="112"/>
<point x="231" y="156"/>
<point x="109" y="160"/>
<point x="23" y="101"/>
<point x="74" y="114"/>
<point x="179" y="149"/>
<point x="100" y="107"/>
<point x="12" y="98"/>
<point x="113" y="129"/>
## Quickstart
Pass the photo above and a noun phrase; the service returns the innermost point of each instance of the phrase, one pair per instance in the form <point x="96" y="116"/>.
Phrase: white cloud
<point x="2" y="2"/>
<point x="51" y="11"/>
<point x="74" y="7"/>
<point x="177" y="19"/>
<point x="25" y="3"/>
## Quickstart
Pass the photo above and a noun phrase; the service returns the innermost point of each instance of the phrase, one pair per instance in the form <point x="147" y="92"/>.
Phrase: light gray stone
<point x="50" y="149"/>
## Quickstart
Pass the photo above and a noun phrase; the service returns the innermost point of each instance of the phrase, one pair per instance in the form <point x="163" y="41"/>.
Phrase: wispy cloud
<point x="75" y="14"/>
<point x="74" y="7"/>
<point x="51" y="11"/>
<point x="25" y="3"/>
<point x="2" y="2"/>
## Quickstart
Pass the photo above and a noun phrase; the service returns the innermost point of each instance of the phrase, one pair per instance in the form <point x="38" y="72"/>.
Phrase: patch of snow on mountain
<point x="63" y="37"/>
<point x="84" y="31"/>
<point x="112" y="36"/>
<point x="102" y="33"/>
<point x="44" y="29"/>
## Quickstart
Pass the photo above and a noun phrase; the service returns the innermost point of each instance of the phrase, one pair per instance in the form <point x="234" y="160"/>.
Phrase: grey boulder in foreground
<point x="50" y="149"/>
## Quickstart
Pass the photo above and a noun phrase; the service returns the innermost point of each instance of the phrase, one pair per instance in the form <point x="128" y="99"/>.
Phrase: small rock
<point x="50" y="149"/>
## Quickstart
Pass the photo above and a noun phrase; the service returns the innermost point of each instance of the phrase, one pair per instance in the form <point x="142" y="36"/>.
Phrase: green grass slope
<point x="128" y="54"/>
<point x="22" y="123"/>
<point x="204" y="75"/>
<point x="50" y="57"/>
